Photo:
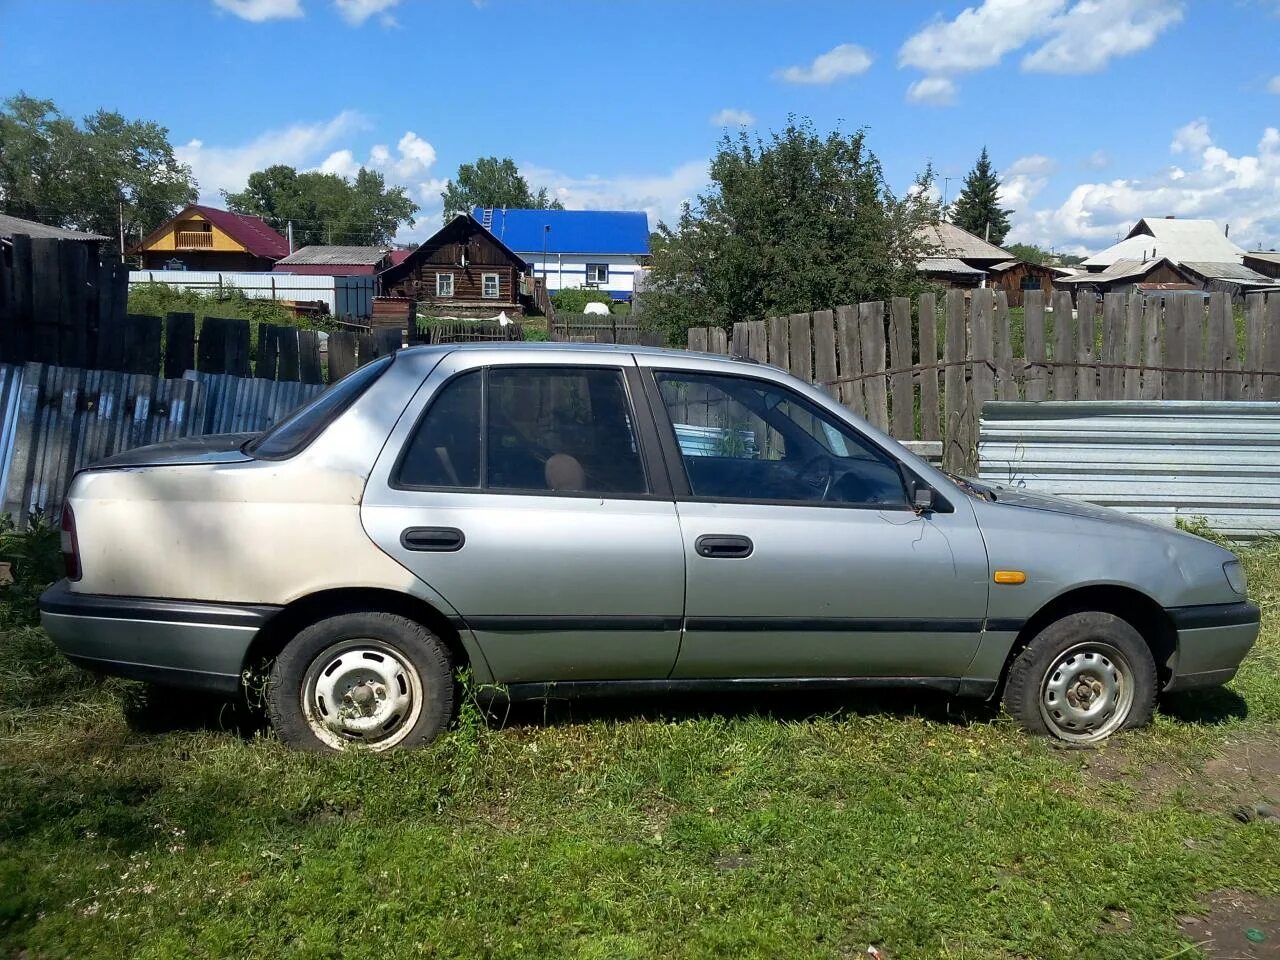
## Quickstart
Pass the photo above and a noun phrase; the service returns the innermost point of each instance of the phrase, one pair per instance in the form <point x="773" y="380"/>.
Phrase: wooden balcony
<point x="194" y="239"/>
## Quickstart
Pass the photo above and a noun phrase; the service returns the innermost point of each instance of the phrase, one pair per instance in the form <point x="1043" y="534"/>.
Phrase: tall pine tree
<point x="979" y="203"/>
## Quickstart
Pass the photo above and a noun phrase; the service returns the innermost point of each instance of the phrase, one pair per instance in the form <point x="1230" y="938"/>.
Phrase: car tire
<point x="373" y="680"/>
<point x="1082" y="678"/>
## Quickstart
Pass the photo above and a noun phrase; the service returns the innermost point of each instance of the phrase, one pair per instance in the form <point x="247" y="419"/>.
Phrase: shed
<point x="9" y="226"/>
<point x="335" y="261"/>
<point x="1015" y="277"/>
<point x="950" y="272"/>
<point x="1234" y="279"/>
<point x="1125" y="275"/>
<point x="1265" y="262"/>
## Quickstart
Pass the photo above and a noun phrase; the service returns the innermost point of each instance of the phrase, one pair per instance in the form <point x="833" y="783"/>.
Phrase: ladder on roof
<point x="486" y="220"/>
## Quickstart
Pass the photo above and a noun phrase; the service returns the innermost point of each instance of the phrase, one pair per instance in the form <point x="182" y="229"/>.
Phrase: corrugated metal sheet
<point x="1162" y="460"/>
<point x="59" y="419"/>
<point x="231" y="404"/>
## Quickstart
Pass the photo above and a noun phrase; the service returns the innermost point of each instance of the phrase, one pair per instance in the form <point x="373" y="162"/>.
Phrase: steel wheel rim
<point x="1087" y="693"/>
<point x="361" y="693"/>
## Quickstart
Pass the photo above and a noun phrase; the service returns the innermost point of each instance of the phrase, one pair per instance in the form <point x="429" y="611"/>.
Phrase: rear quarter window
<point x="293" y="434"/>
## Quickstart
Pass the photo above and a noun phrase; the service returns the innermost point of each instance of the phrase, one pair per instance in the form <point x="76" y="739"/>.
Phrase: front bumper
<point x="177" y="643"/>
<point x="1212" y="641"/>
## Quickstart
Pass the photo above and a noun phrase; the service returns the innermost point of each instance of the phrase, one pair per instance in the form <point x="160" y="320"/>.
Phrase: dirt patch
<point x="1236" y="926"/>
<point x="1243" y="774"/>
<point x="728" y="862"/>
<point x="1249" y="770"/>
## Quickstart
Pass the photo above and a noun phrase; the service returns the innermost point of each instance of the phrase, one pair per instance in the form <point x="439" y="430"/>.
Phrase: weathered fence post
<point x="824" y="350"/>
<point x="871" y="330"/>
<point x="801" y="346"/>
<point x="1063" y="345"/>
<point x="1033" y="345"/>
<point x="179" y="344"/>
<point x="957" y="451"/>
<point x="930" y="428"/>
<point x="903" y="412"/>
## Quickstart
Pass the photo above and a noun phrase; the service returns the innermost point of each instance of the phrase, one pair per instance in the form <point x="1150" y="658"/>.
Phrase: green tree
<point x="977" y="208"/>
<point x="1030" y="253"/>
<point x="326" y="208"/>
<point x="490" y="182"/>
<point x="87" y="176"/>
<point x="797" y="222"/>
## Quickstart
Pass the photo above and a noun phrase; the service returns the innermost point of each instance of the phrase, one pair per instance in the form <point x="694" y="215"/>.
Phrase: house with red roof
<point x="206" y="238"/>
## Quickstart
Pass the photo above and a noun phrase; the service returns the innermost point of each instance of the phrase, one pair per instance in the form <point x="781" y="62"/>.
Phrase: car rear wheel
<point x="1083" y="678"/>
<point x="369" y="681"/>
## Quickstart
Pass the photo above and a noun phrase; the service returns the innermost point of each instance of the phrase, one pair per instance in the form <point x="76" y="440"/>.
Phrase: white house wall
<point x="568" y="271"/>
<point x="257" y="286"/>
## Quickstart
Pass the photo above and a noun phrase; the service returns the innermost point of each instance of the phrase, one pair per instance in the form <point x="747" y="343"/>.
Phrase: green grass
<point x="763" y="827"/>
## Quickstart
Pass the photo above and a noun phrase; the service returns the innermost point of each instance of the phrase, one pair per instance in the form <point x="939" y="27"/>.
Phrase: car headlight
<point x="1235" y="576"/>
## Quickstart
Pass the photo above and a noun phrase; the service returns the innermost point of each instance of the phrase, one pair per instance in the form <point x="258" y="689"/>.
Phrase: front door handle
<point x="432" y="539"/>
<point x="724" y="546"/>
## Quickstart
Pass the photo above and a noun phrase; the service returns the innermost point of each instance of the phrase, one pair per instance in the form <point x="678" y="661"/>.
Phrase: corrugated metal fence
<point x="1163" y="460"/>
<point x="56" y="420"/>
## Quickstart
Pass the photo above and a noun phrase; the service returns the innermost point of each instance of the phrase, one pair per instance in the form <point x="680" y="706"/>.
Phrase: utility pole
<point x="290" y="235"/>
<point x="122" y="229"/>
<point x="946" y="188"/>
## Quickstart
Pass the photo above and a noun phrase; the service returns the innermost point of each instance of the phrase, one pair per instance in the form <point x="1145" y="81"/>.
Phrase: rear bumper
<point x="1212" y="641"/>
<point x="177" y="643"/>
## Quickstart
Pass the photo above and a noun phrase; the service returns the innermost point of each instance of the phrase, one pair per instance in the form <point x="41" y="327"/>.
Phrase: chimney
<point x="1171" y="217"/>
<point x="1227" y="231"/>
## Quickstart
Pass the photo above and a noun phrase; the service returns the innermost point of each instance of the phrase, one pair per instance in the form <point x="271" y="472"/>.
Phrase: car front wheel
<point x="1083" y="678"/>
<point x="369" y="681"/>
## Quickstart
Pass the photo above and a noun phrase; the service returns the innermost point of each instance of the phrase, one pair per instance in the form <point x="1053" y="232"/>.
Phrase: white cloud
<point x="220" y="168"/>
<point x="978" y="37"/>
<point x="1094" y="32"/>
<point x="1099" y="159"/>
<point x="1191" y="138"/>
<point x="1273" y="86"/>
<point x="1074" y="36"/>
<point x="659" y="195"/>
<point x="341" y="162"/>
<point x="1215" y="184"/>
<point x="356" y="12"/>
<point x="846" y="60"/>
<point x="1025" y="179"/>
<point x="938" y="91"/>
<point x="729" y="117"/>
<point x="256" y="11"/>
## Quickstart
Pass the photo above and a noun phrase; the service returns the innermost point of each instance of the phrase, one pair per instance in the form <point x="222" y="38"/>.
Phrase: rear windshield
<point x="291" y="435"/>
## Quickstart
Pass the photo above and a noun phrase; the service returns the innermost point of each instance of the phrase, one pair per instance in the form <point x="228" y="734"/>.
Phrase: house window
<point x="489" y="286"/>
<point x="444" y="284"/>
<point x="597" y="274"/>
<point x="1031" y="282"/>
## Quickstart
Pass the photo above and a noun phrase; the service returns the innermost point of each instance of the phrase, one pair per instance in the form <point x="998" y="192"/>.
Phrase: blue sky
<point x="1096" y="112"/>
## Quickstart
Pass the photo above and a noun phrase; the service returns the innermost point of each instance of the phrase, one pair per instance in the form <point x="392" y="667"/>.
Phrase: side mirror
<point x="922" y="498"/>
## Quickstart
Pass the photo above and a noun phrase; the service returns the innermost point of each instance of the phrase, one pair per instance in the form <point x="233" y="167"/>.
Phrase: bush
<point x="576" y="300"/>
<point x="157" y="299"/>
<point x="34" y="556"/>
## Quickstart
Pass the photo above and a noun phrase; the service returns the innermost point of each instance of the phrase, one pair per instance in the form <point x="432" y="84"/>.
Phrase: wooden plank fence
<point x="881" y="360"/>
<point x="599" y="328"/>
<point x="63" y="303"/>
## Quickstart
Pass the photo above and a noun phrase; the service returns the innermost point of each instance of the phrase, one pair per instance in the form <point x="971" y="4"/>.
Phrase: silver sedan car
<point x="565" y="520"/>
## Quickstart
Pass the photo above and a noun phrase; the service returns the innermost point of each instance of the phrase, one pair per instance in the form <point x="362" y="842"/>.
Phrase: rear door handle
<point x="724" y="546"/>
<point x="432" y="539"/>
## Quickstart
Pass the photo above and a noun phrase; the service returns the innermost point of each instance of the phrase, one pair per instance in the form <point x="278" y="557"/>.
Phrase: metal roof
<point x="947" y="265"/>
<point x="1178" y="240"/>
<point x="1120" y="270"/>
<point x="1266" y="256"/>
<point x="610" y="232"/>
<point x="342" y="256"/>
<point x="16" y="225"/>
<point x="947" y="240"/>
<point x="1226" y="271"/>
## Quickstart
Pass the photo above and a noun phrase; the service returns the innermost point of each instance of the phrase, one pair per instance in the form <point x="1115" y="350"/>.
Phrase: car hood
<point x="1018" y="497"/>
<point x="217" y="448"/>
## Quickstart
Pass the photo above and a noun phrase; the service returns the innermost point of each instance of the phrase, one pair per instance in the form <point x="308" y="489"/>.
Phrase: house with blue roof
<point x="597" y="249"/>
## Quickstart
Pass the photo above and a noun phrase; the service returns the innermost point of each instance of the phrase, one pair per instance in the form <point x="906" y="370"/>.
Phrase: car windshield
<point x="292" y="435"/>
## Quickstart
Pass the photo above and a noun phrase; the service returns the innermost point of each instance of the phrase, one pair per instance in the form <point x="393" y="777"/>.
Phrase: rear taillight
<point x="70" y="545"/>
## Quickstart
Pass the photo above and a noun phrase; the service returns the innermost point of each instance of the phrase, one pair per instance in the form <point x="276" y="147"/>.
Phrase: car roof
<point x="558" y="347"/>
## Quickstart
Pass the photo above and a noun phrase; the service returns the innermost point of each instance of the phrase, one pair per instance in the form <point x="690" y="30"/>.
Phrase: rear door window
<point x="567" y="430"/>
